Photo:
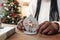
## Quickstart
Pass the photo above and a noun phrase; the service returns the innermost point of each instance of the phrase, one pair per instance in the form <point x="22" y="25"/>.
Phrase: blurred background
<point x="14" y="10"/>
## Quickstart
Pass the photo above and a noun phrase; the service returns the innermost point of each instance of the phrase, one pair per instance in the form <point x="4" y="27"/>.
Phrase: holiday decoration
<point x="11" y="12"/>
<point x="30" y="24"/>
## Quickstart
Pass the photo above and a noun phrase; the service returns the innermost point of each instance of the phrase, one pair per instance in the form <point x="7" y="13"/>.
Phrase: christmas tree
<point x="11" y="12"/>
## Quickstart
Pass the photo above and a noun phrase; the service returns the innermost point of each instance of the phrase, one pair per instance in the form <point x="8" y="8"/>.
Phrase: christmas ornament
<point x="8" y="4"/>
<point x="30" y="25"/>
<point x="15" y="6"/>
<point x="13" y="19"/>
<point x="14" y="2"/>
<point x="8" y="17"/>
<point x="6" y="8"/>
<point x="13" y="14"/>
<point x="4" y="4"/>
<point x="1" y="4"/>
<point x="11" y="4"/>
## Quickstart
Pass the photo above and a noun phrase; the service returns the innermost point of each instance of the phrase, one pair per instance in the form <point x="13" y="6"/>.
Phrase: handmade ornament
<point x="30" y="24"/>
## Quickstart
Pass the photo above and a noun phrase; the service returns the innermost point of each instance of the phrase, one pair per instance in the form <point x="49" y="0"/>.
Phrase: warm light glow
<point x="24" y="4"/>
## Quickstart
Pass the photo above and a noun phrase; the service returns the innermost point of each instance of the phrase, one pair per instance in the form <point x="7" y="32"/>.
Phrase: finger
<point x="46" y="30"/>
<point x="43" y="27"/>
<point x="55" y="25"/>
<point x="40" y="26"/>
<point x="23" y="29"/>
<point x="20" y="26"/>
<point x="43" y="23"/>
<point x="50" y="32"/>
<point x="20" y="22"/>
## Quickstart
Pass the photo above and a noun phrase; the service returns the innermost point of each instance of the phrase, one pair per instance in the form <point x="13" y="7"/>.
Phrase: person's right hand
<point x="20" y="25"/>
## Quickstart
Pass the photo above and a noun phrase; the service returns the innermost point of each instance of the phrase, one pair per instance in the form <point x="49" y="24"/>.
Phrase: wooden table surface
<point x="21" y="36"/>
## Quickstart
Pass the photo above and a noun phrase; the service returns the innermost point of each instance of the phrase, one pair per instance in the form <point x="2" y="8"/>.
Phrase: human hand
<point x="20" y="25"/>
<point x="48" y="28"/>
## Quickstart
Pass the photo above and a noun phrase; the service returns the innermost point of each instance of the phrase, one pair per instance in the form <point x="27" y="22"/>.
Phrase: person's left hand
<point x="48" y="28"/>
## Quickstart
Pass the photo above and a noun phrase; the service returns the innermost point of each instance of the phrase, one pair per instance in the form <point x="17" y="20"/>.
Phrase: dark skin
<point x="44" y="28"/>
<point x="48" y="28"/>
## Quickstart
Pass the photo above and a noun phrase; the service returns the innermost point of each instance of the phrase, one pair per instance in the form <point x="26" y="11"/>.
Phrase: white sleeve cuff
<point x="58" y="23"/>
